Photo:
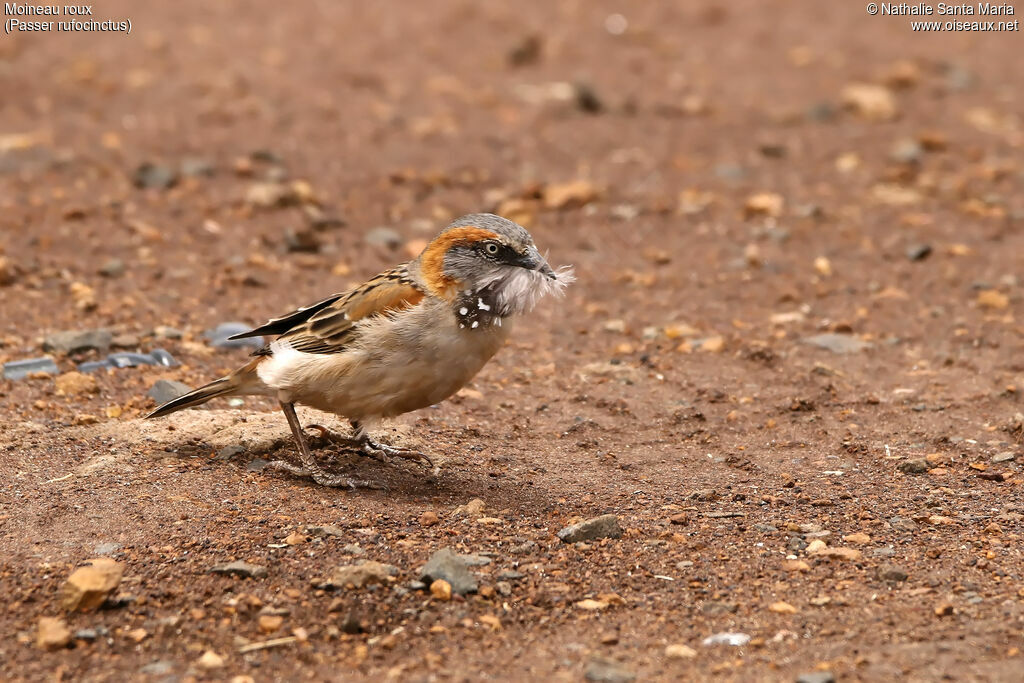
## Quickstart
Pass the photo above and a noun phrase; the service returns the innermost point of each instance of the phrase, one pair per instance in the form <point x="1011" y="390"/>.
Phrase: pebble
<point x="837" y="343"/>
<point x="892" y="572"/>
<point x="112" y="268"/>
<point x="601" y="670"/>
<point x="20" y="369"/>
<point x="858" y="538"/>
<point x="160" y="667"/>
<point x="52" y="634"/>
<point x="454" y="568"/>
<point x="155" y="176"/>
<point x="87" y="634"/>
<point x="441" y="590"/>
<point x="680" y="651"/>
<point x="587" y="99"/>
<point x="303" y="240"/>
<point x="605" y="526"/>
<point x="919" y="252"/>
<point x="218" y="337"/>
<point x="733" y="639"/>
<point x="903" y="524"/>
<point x="241" y="568"/>
<point x="429" y="518"/>
<point x="914" y="466"/>
<point x="164" y="390"/>
<point x="195" y="168"/>
<point x="360" y="575"/>
<point x="226" y="453"/>
<point x="75" y="383"/>
<point x="816" y="677"/>
<point x="1005" y="456"/>
<point x="782" y="608"/>
<point x="851" y="554"/>
<point x="323" y="530"/>
<point x="126" y="359"/>
<point x="75" y="341"/>
<point x="268" y="623"/>
<point x="383" y="237"/>
<point x="88" y="587"/>
<point x="210" y="660"/>
<point x="271" y="195"/>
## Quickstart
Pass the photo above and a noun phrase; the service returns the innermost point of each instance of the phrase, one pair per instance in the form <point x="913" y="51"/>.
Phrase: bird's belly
<point x="396" y="376"/>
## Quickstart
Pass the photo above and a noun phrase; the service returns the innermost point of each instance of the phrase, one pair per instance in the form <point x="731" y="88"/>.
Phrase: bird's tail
<point x="241" y="381"/>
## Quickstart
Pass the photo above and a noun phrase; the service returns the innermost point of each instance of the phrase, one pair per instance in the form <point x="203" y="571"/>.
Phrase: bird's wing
<point x="328" y="326"/>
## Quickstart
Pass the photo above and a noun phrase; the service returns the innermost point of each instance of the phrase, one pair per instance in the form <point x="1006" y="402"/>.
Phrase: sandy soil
<point x="728" y="181"/>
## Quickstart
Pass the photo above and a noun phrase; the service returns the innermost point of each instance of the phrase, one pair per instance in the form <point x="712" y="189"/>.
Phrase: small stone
<point x="587" y="99"/>
<point x="903" y="524"/>
<point x="361" y="575"/>
<point x="837" y="343"/>
<point x="228" y="452"/>
<point x="680" y="651"/>
<point x="197" y="168"/>
<point x="268" y="623"/>
<point x="218" y="336"/>
<point x="591" y="605"/>
<point x="164" y="390"/>
<point x="764" y="204"/>
<point x="75" y="341"/>
<point x="907" y="151"/>
<point x="474" y="507"/>
<point x="441" y="590"/>
<point x="52" y="634"/>
<point x="125" y="341"/>
<point x="383" y="237"/>
<point x="892" y="572"/>
<point x="75" y="383"/>
<point x="872" y="102"/>
<point x="605" y="526"/>
<point x="88" y="587"/>
<point x="857" y="538"/>
<point x="816" y="677"/>
<point x="992" y="299"/>
<point x="1005" y="456"/>
<point x="570" y="195"/>
<point x="304" y="240"/>
<point x="782" y="608"/>
<point x="86" y="634"/>
<point x="919" y="252"/>
<point x="271" y="195"/>
<point x="165" y="332"/>
<point x="9" y="272"/>
<point x="601" y="670"/>
<point x="324" y="530"/>
<point x="112" y="268"/>
<point x="851" y="554"/>
<point x="20" y="369"/>
<point x="914" y="466"/>
<point x="295" y="538"/>
<point x="725" y="638"/>
<point x="242" y="569"/>
<point x="453" y="568"/>
<point x="527" y="51"/>
<point x="815" y="546"/>
<point x="210" y="660"/>
<point x="429" y="518"/>
<point x="160" y="667"/>
<point x="795" y="566"/>
<point x="154" y="176"/>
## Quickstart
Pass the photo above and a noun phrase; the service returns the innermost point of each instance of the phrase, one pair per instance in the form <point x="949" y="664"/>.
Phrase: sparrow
<point x="405" y="339"/>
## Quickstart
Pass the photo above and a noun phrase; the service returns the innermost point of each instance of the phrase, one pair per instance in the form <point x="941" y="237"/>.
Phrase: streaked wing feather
<point x="331" y="328"/>
<point x="276" y="326"/>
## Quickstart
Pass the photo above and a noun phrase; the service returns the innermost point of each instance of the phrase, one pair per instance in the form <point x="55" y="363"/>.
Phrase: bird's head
<point x="484" y="254"/>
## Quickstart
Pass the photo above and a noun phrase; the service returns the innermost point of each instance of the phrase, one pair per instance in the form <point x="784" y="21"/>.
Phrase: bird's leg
<point x="309" y="467"/>
<point x="375" y="449"/>
<point x="347" y="443"/>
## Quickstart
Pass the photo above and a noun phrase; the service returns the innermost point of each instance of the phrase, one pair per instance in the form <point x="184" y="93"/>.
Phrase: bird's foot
<point x="322" y="477"/>
<point x="375" y="449"/>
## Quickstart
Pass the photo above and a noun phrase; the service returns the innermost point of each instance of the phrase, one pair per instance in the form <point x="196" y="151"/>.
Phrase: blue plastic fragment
<point x="164" y="358"/>
<point x="218" y="337"/>
<point x="20" y="369"/>
<point x="127" y="359"/>
<point x="94" y="365"/>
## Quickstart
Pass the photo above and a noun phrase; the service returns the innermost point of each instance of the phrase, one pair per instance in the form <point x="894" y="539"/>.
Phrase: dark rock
<point x="454" y="568"/>
<point x="383" y="237"/>
<point x="837" y="343"/>
<point x="914" y="466"/>
<point x="526" y="52"/>
<point x="587" y="99"/>
<point x="716" y="608"/>
<point x="196" y="168"/>
<point x="155" y="176"/>
<point x="112" y="268"/>
<point x="165" y="390"/>
<point x="218" y="337"/>
<point x="163" y="358"/>
<point x="75" y="341"/>
<point x="816" y="677"/>
<point x="20" y="369"/>
<point x="605" y="526"/>
<point x="257" y="465"/>
<point x="240" y="568"/>
<point x="229" y="452"/>
<point x="892" y="572"/>
<point x="602" y="670"/>
<point x="919" y="252"/>
<point x="510" y="575"/>
<point x="304" y="240"/>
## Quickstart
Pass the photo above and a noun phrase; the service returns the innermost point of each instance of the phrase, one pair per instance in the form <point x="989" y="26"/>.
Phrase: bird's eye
<point x="491" y="248"/>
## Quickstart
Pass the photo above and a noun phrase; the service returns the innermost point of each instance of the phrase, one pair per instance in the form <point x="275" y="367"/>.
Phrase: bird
<point x="405" y="339"/>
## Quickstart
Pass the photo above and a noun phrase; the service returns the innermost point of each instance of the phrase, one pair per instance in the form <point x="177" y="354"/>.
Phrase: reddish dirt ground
<point x="743" y="177"/>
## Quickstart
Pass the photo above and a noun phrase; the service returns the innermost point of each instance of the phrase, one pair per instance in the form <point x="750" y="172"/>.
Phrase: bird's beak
<point x="532" y="260"/>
